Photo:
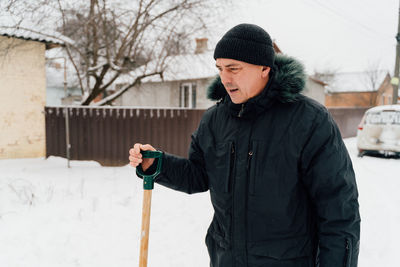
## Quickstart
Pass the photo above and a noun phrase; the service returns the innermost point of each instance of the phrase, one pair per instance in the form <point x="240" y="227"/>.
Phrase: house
<point x="360" y="89"/>
<point x="185" y="82"/>
<point x="23" y="92"/>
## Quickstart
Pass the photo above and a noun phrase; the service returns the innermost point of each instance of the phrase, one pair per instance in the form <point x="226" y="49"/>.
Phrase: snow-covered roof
<point x="190" y="66"/>
<point x="356" y="81"/>
<point x="28" y="34"/>
<point x="178" y="68"/>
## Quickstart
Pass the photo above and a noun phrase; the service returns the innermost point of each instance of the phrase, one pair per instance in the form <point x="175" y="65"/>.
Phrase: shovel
<point x="148" y="185"/>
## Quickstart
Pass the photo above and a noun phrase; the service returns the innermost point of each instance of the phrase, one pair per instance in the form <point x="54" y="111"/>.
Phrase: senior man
<point x="280" y="178"/>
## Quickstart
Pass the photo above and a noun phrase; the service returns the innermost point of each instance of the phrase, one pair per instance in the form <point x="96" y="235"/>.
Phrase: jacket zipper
<point x="231" y="168"/>
<point x="241" y="111"/>
<point x="250" y="155"/>
<point x="348" y="254"/>
<point x="231" y="178"/>
<point x="250" y="185"/>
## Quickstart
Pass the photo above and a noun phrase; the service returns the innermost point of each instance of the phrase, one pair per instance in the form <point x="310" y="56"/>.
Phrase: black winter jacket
<point x="280" y="178"/>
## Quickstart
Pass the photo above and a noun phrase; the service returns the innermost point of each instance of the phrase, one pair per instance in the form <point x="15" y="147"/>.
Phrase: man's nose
<point x="226" y="78"/>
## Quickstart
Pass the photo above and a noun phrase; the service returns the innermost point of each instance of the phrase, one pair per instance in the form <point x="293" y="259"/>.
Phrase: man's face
<point x="242" y="80"/>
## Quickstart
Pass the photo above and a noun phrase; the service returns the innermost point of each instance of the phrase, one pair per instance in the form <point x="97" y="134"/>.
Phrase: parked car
<point x="379" y="131"/>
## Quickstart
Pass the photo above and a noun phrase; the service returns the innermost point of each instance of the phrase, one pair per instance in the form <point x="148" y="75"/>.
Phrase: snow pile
<point x="88" y="215"/>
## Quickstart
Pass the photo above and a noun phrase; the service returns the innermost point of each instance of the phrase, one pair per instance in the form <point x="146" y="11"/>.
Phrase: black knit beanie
<point x="246" y="42"/>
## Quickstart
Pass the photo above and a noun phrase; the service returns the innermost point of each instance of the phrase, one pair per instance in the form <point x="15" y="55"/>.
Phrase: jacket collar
<point x="287" y="80"/>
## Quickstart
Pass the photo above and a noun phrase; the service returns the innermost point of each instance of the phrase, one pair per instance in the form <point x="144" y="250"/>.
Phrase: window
<point x="384" y="117"/>
<point x="187" y="95"/>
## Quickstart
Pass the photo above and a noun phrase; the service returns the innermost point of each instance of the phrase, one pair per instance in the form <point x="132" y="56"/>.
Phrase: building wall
<point x="315" y="91"/>
<point x="164" y="94"/>
<point x="385" y="92"/>
<point x="147" y="95"/>
<point x="351" y="99"/>
<point x="22" y="98"/>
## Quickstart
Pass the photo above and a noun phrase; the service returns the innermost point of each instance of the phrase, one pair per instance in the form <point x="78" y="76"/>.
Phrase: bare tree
<point x="119" y="38"/>
<point x="373" y="78"/>
<point x="372" y="75"/>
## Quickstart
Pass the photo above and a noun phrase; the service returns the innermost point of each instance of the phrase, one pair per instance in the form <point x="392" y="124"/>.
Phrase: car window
<point x="383" y="117"/>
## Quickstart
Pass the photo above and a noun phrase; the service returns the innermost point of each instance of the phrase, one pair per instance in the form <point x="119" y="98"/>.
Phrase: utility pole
<point x="395" y="79"/>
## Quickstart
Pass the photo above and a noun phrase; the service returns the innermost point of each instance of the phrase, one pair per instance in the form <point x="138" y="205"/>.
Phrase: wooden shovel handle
<point x="144" y="239"/>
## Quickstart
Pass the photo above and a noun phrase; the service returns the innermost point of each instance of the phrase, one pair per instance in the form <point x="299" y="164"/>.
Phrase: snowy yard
<point x="90" y="216"/>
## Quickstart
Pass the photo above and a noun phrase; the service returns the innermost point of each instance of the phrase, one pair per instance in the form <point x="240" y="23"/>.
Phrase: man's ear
<point x="265" y="71"/>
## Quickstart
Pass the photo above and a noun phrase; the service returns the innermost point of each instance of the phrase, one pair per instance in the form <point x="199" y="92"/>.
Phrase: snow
<point x="178" y="68"/>
<point x="90" y="216"/>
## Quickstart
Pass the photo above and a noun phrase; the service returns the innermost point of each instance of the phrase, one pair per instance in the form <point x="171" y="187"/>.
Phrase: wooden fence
<point x="105" y="134"/>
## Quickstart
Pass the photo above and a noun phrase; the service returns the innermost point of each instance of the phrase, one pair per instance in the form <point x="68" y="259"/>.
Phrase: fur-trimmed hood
<point x="287" y="80"/>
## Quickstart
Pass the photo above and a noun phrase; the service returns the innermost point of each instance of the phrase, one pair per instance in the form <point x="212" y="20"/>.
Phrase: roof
<point x="178" y="68"/>
<point x="356" y="81"/>
<point x="187" y="67"/>
<point x="51" y="40"/>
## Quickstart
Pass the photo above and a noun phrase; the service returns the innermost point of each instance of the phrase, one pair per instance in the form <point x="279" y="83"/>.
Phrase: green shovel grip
<point x="148" y="180"/>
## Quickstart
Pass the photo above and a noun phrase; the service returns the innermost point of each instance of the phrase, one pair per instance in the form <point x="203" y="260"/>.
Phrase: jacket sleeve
<point x="328" y="175"/>
<point x="186" y="175"/>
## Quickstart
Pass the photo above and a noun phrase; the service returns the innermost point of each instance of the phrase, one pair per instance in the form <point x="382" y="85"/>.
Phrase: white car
<point x="379" y="131"/>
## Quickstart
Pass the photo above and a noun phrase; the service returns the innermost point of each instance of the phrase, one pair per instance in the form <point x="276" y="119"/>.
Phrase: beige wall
<point x="22" y="98"/>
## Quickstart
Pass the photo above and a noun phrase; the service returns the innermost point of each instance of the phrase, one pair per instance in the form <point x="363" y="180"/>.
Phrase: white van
<point x="379" y="131"/>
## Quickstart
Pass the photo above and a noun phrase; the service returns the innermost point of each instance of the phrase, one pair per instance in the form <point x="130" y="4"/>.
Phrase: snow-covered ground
<point x="90" y="216"/>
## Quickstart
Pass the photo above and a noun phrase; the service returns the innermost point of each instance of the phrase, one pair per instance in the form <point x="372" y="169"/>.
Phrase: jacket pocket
<point x="282" y="249"/>
<point x="220" y="167"/>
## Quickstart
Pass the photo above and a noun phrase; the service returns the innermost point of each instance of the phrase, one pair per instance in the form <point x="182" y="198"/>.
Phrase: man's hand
<point x="136" y="158"/>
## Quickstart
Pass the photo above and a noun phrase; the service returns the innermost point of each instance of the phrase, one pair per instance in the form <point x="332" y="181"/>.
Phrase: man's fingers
<point x="135" y="159"/>
<point x="132" y="152"/>
<point x="147" y="147"/>
<point x="136" y="148"/>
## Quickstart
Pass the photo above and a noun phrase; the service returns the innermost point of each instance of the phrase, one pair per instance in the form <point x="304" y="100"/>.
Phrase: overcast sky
<point x="326" y="35"/>
<point x="340" y="35"/>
